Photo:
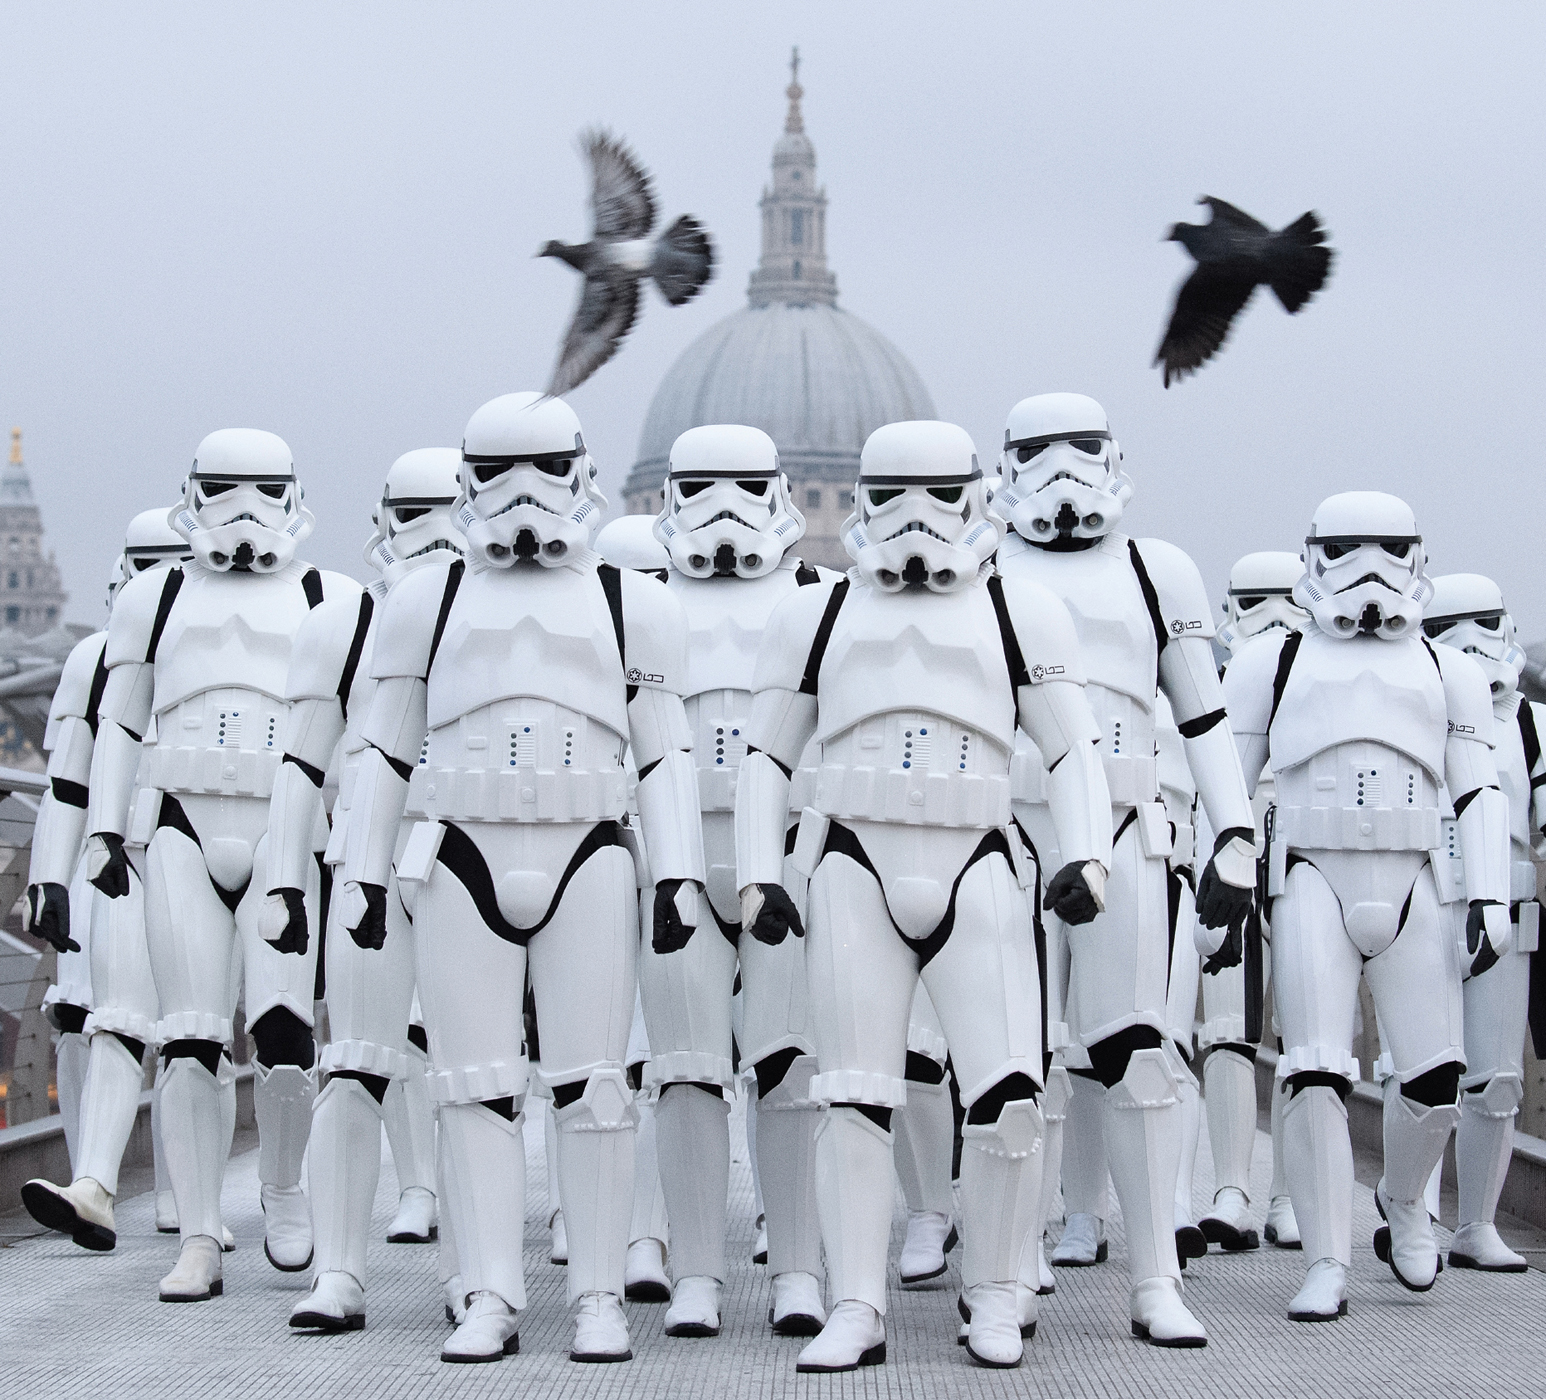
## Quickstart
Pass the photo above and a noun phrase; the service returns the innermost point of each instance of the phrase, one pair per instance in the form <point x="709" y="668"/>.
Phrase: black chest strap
<point x="823" y="636"/>
<point x="453" y="582"/>
<point x="1286" y="655"/>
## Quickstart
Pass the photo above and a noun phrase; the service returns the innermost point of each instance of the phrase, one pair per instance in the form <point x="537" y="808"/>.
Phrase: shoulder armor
<point x="136" y="612"/>
<point x="1248" y="682"/>
<point x="791" y="631"/>
<point x="406" y="632"/>
<point x="1045" y="632"/>
<point x="1178" y="588"/>
<point x="73" y="693"/>
<point x="1467" y="696"/>
<point x="335" y="586"/>
<point x="323" y="645"/>
<point x="654" y="633"/>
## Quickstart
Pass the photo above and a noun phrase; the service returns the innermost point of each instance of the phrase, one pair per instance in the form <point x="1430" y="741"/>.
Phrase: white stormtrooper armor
<point x="1363" y="720"/>
<point x="727" y="524"/>
<point x="531" y="668"/>
<point x="1467" y="613"/>
<point x="104" y="1002"/>
<point x="376" y="1075"/>
<point x="911" y="685"/>
<point x="1261" y="596"/>
<point x="196" y="660"/>
<point x="1144" y="625"/>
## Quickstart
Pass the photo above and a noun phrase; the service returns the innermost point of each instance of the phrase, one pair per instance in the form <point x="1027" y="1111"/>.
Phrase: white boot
<point x="1035" y="1272"/>
<point x="931" y="1235"/>
<point x="166" y="1202"/>
<point x="645" y="1279"/>
<point x="600" y="1330"/>
<point x="83" y="1210"/>
<point x="1085" y="1175"/>
<point x="1231" y="1084"/>
<point x="196" y="1276"/>
<point x="797" y="1309"/>
<point x="72" y="1056"/>
<point x="485" y="1205"/>
<point x="760" y="1240"/>
<point x="487" y="1333"/>
<point x="343" y="1170"/>
<point x="692" y="1140"/>
<point x="1143" y="1126"/>
<point x="1281" y="1228"/>
<point x="855" y="1335"/>
<point x="1484" y="1148"/>
<point x="193" y="1137"/>
<point x="281" y="1101"/>
<point x="790" y="1234"/>
<point x="448" y="1264"/>
<point x="558" y="1251"/>
<point x="1318" y="1164"/>
<point x="1414" y="1142"/>
<point x="410" y="1130"/>
<point x="925" y="1132"/>
<point x="1191" y="1243"/>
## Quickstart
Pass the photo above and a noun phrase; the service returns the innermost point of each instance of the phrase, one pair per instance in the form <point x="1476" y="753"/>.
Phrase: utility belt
<point x="921" y="797"/>
<point x="716" y="789"/>
<point x="223" y="772"/>
<point x="517" y="794"/>
<point x="1358" y="828"/>
<point x="1131" y="780"/>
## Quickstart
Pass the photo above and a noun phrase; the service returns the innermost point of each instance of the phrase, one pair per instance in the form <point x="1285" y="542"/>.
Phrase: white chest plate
<point x="539" y="634"/>
<point x="917" y="717"/>
<point x="228" y="630"/>
<point x="725" y="622"/>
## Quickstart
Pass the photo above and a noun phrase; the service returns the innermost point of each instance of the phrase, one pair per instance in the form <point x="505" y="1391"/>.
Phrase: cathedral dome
<point x="814" y="377"/>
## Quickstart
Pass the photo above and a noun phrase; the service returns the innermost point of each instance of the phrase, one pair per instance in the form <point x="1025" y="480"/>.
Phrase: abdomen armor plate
<point x="1358" y="797"/>
<point x="227" y="742"/>
<point x="718" y="722"/>
<point x="521" y="760"/>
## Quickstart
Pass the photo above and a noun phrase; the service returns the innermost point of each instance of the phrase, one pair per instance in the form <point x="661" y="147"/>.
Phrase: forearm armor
<point x="1484" y="844"/>
<point x="312" y="731"/>
<point x="1057" y="717"/>
<point x="761" y="819"/>
<point x="123" y="717"/>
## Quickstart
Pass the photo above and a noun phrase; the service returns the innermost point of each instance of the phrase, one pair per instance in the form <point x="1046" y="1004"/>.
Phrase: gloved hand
<point x="1220" y="903"/>
<point x="1229" y="953"/>
<point x="107" y="867"/>
<point x="46" y="912"/>
<point x="769" y="915"/>
<point x="282" y="921"/>
<point x="1487" y="916"/>
<point x="364" y="913"/>
<point x="676" y="915"/>
<point x="1072" y="893"/>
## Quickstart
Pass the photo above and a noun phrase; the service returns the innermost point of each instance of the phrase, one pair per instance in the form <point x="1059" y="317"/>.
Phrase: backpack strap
<point x="1532" y="741"/>
<point x="169" y="590"/>
<point x="1014" y="658"/>
<point x="823" y="636"/>
<point x="612" y="585"/>
<point x="98" y="685"/>
<point x="356" y="647"/>
<point x="311" y="586"/>
<point x="1286" y="657"/>
<point x="453" y="582"/>
<point x="1150" y="601"/>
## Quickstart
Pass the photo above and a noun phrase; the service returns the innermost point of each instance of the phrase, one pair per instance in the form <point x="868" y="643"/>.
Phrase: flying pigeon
<point x="1234" y="253"/>
<point x="618" y="255"/>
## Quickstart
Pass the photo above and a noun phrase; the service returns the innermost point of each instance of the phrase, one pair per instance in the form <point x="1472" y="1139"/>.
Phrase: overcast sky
<point x="320" y="219"/>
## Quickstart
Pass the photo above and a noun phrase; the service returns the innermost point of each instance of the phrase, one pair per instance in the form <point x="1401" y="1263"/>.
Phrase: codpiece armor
<point x="1364" y="723"/>
<point x="910" y="688"/>
<point x="507" y="689"/>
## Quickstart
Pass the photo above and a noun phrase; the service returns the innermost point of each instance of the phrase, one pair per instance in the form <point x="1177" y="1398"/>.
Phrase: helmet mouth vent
<point x="915" y="571"/>
<point x="724" y="559"/>
<point x="526" y="546"/>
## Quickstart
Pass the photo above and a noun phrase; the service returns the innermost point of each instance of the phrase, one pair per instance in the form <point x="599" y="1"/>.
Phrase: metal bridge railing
<point x="26" y="1052"/>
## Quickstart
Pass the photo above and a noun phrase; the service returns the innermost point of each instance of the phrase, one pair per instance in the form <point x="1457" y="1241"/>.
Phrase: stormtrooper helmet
<point x="150" y="542"/>
<point x="1261" y="588"/>
<point x="728" y="512"/>
<point x="413" y="519"/>
<point x="1467" y="612"/>
<point x="114" y="581"/>
<point x="1363" y="561"/>
<point x="242" y="507"/>
<point x="629" y="543"/>
<point x="920" y="509"/>
<point x="528" y="486"/>
<point x="1062" y="479"/>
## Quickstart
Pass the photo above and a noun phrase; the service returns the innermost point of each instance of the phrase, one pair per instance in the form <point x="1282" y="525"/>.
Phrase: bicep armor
<point x="312" y="731"/>
<point x="1481" y="811"/>
<point x="115" y="761"/>
<point x="393" y="732"/>
<point x="1191" y="684"/>
<point x="667" y="794"/>
<point x="61" y="822"/>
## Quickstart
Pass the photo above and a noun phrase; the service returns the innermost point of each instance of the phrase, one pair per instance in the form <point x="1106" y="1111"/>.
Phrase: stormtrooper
<point x="104" y="1002"/>
<point x="196" y="660"/>
<point x="1259" y="600"/>
<point x="369" y="992"/>
<point x="1362" y="720"/>
<point x="910" y="674"/>
<point x="507" y="691"/>
<point x="1467" y="613"/>
<point x="729" y="525"/>
<point x="1144" y="625"/>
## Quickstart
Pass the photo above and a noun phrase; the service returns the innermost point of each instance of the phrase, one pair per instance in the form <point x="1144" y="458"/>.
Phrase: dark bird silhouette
<point x="1235" y="253"/>
<point x="618" y="255"/>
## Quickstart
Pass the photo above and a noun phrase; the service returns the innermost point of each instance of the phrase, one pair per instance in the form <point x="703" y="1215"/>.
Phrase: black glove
<point x="772" y="914"/>
<point x="1220" y="903"/>
<point x="1231" y="952"/>
<point x="295" y="936"/>
<point x="1476" y="940"/>
<point x="1069" y="895"/>
<point x="669" y="934"/>
<point x="371" y="931"/>
<point x="113" y="878"/>
<point x="46" y="913"/>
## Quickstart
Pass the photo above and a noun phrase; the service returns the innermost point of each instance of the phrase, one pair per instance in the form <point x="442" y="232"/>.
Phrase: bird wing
<point x="622" y="205"/>
<point x="1226" y="213"/>
<point x="1199" y="324"/>
<point x="609" y="304"/>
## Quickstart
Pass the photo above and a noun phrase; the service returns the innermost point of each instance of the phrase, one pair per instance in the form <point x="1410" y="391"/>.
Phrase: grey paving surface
<point x="89" y="1324"/>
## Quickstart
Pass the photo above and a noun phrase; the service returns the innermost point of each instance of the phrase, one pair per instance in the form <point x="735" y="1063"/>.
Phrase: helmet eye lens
<point x="949" y="494"/>
<point x="1336" y="551"/>
<point x="407" y="514"/>
<point x="274" y="490"/>
<point x="1397" y="551"/>
<point x="1436" y="629"/>
<point x="561" y="467"/>
<point x="142" y="563"/>
<point x="1246" y="604"/>
<point x="488" y="471"/>
<point x="1026" y="453"/>
<point x="880" y="495"/>
<point x="1490" y="623"/>
<point x="754" y="487"/>
<point x="688" y="489"/>
<point x="210" y="489"/>
<point x="1091" y="446"/>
